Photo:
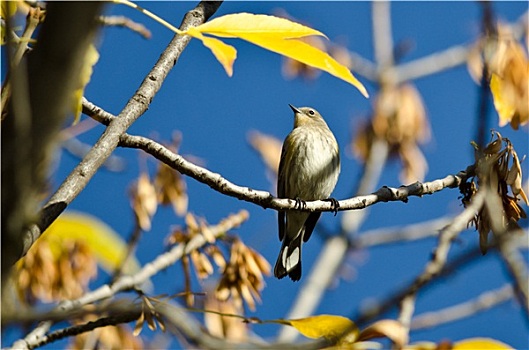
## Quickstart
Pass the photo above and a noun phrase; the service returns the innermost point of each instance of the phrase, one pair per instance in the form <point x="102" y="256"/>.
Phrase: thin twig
<point x="389" y="303"/>
<point x="125" y="22"/>
<point x="482" y="302"/>
<point x="431" y="64"/>
<point x="391" y="235"/>
<point x="32" y="21"/>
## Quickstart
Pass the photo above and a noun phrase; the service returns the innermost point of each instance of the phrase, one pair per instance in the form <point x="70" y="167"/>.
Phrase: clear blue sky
<point x="215" y="113"/>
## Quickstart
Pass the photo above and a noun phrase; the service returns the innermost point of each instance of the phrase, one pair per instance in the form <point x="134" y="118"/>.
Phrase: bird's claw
<point x="300" y="204"/>
<point x="335" y="205"/>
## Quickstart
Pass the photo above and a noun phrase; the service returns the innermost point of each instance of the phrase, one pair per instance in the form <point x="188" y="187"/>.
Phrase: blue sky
<point x="214" y="113"/>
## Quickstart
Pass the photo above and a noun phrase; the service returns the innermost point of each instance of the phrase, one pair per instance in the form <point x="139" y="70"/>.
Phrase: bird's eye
<point x="311" y="112"/>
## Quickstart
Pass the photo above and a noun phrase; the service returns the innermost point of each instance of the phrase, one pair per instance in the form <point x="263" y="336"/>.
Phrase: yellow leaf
<point x="480" y="343"/>
<point x="225" y="54"/>
<point x="326" y="326"/>
<point x="90" y="59"/>
<point x="502" y="103"/>
<point x="277" y="35"/>
<point x="272" y="33"/>
<point x="237" y="24"/>
<point x="8" y="9"/>
<point x="106" y="244"/>
<point x="307" y="54"/>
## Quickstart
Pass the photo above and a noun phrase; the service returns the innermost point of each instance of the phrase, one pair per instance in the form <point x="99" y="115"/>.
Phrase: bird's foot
<point x="335" y="205"/>
<point x="300" y="204"/>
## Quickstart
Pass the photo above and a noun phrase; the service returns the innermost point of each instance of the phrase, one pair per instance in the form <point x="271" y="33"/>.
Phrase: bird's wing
<point x="281" y="190"/>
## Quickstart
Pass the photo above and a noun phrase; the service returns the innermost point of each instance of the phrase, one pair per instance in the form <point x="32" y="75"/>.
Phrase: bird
<point x="308" y="170"/>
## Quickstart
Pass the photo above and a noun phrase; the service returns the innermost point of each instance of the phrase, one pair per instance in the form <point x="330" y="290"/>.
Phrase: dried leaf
<point x="144" y="201"/>
<point x="391" y="329"/>
<point x="139" y="325"/>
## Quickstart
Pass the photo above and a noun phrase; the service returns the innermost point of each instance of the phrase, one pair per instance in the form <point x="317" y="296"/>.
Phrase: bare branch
<point x="390" y="302"/>
<point x="391" y="235"/>
<point x="517" y="267"/>
<point x="382" y="37"/>
<point x="124" y="316"/>
<point x="267" y="200"/>
<point x="125" y="22"/>
<point x="431" y="64"/>
<point x="482" y="302"/>
<point x="439" y="256"/>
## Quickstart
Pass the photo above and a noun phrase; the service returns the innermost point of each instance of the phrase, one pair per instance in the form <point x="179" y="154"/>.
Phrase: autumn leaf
<point x="249" y="24"/>
<point x="224" y="53"/>
<point x="108" y="247"/>
<point x="390" y="329"/>
<point x="8" y="9"/>
<point x="277" y="35"/>
<point x="272" y="33"/>
<point x="323" y="326"/>
<point x="502" y="102"/>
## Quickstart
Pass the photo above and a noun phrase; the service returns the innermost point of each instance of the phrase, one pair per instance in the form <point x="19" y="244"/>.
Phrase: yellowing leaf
<point x="90" y="59"/>
<point x="106" y="244"/>
<point x="307" y="54"/>
<point x="326" y="326"/>
<point x="480" y="343"/>
<point x="502" y="103"/>
<point x="8" y="9"/>
<point x="277" y="35"/>
<point x="272" y="33"/>
<point x="225" y="54"/>
<point x="237" y="24"/>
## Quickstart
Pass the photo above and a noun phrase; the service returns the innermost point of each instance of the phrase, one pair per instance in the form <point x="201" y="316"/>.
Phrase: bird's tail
<point x="289" y="259"/>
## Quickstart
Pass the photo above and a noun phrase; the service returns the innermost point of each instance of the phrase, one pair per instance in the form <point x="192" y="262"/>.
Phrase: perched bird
<point x="308" y="170"/>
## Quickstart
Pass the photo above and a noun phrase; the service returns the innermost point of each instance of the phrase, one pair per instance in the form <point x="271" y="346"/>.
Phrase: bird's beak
<point x="295" y="109"/>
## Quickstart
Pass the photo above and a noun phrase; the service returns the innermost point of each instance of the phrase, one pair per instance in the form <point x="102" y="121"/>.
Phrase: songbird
<point x="308" y="170"/>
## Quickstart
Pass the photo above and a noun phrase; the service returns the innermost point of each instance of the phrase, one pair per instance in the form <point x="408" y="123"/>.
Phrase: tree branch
<point x="137" y="105"/>
<point x="391" y="235"/>
<point x="482" y="302"/>
<point x="127" y="282"/>
<point x="439" y="256"/>
<point x="267" y="200"/>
